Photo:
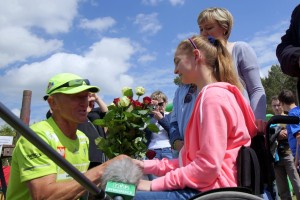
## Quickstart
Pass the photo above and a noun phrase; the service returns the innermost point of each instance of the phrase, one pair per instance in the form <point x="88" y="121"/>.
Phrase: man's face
<point x="277" y="107"/>
<point x="71" y="107"/>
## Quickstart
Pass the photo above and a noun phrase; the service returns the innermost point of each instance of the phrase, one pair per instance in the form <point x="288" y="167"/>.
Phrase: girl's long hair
<point x="217" y="57"/>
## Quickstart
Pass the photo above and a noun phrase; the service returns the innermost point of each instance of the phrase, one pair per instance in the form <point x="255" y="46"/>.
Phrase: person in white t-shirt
<point x="159" y="142"/>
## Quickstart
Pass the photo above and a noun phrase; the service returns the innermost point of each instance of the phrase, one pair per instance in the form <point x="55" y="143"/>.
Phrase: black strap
<point x="256" y="171"/>
<point x="248" y="170"/>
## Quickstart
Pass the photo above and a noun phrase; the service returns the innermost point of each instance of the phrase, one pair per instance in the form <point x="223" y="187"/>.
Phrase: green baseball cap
<point x="68" y="83"/>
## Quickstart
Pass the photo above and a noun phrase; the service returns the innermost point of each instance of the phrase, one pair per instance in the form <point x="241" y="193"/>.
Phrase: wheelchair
<point x="255" y="168"/>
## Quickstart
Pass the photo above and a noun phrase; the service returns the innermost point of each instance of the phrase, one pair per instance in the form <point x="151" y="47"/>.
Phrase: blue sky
<point x="117" y="43"/>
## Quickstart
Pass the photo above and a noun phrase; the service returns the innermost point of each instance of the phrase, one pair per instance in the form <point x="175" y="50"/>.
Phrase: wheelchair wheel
<point x="228" y="195"/>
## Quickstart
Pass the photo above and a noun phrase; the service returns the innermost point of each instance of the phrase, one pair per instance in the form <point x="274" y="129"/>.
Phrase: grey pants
<point x="283" y="169"/>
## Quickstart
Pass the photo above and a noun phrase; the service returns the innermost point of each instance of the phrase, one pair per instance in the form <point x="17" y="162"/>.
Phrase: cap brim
<point x="74" y="90"/>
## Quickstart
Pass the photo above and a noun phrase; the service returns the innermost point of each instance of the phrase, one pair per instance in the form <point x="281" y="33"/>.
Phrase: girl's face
<point x="212" y="28"/>
<point x="184" y="66"/>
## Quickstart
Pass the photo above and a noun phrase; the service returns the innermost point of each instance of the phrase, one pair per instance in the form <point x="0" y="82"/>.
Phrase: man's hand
<point x="139" y="163"/>
<point x="282" y="135"/>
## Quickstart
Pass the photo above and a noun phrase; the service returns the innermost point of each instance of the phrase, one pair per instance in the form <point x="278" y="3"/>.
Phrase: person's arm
<point x="288" y="51"/>
<point x="102" y="105"/>
<point x="148" y="135"/>
<point x="212" y="144"/>
<point x="175" y="139"/>
<point x="297" y="136"/>
<point x="46" y="187"/>
<point x="164" y="122"/>
<point x="249" y="73"/>
<point x="174" y="130"/>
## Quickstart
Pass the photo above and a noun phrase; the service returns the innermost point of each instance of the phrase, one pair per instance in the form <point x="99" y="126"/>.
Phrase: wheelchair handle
<point x="283" y="119"/>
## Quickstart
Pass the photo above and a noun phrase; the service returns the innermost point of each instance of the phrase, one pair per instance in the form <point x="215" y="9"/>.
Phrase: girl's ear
<point x="197" y="54"/>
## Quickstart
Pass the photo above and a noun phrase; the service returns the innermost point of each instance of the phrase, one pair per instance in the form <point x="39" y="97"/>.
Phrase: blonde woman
<point x="218" y="22"/>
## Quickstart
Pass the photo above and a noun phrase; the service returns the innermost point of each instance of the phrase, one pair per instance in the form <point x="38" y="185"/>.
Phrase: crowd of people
<point x="216" y="111"/>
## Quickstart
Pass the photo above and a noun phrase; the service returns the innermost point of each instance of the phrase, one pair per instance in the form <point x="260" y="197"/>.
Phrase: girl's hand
<point x="144" y="185"/>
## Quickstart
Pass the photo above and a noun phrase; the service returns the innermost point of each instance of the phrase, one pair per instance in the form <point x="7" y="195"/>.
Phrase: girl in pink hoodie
<point x="222" y="121"/>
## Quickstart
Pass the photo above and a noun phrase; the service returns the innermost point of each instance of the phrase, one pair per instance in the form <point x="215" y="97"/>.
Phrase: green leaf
<point x="109" y="115"/>
<point x="100" y="122"/>
<point x="153" y="128"/>
<point x="143" y="112"/>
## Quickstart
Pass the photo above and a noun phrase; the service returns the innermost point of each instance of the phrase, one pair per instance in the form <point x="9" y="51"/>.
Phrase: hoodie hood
<point x="242" y="102"/>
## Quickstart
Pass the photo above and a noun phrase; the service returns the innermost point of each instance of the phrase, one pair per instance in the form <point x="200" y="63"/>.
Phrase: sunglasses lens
<point x="87" y="81"/>
<point x="73" y="83"/>
<point x="187" y="98"/>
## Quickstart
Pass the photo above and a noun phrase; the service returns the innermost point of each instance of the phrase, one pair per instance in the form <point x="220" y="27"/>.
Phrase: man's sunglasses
<point x="72" y="83"/>
<point x="188" y="97"/>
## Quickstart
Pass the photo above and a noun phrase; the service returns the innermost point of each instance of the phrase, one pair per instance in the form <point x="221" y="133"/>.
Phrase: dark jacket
<point x="288" y="51"/>
<point x="92" y="131"/>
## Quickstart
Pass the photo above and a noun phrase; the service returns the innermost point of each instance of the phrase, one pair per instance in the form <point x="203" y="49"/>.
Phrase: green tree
<point x="275" y="82"/>
<point x="6" y="130"/>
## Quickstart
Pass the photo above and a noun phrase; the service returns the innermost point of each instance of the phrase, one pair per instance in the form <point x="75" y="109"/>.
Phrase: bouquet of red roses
<point x="126" y="121"/>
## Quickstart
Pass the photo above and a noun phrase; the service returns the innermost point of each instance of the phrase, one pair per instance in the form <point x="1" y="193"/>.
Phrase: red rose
<point x="116" y="101"/>
<point x="146" y="100"/>
<point x="150" y="154"/>
<point x="136" y="104"/>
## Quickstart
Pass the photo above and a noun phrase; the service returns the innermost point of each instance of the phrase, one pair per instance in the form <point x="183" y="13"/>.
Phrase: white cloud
<point x="148" y="24"/>
<point x="17" y="44"/>
<point x="176" y="2"/>
<point x="98" y="24"/>
<point x="106" y="64"/>
<point x="25" y="25"/>
<point x="183" y="36"/>
<point x="264" y="72"/>
<point x="46" y="15"/>
<point x="156" y="2"/>
<point x="146" y="58"/>
<point x="264" y="44"/>
<point x="151" y="2"/>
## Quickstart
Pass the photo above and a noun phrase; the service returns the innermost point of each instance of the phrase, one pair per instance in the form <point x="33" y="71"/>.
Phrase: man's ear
<point x="52" y="102"/>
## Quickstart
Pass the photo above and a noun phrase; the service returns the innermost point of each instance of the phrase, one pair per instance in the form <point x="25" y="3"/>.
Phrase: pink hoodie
<point x="222" y="121"/>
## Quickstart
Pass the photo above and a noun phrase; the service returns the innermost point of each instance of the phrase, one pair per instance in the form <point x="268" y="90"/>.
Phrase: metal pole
<point x="25" y="109"/>
<point x="26" y="132"/>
